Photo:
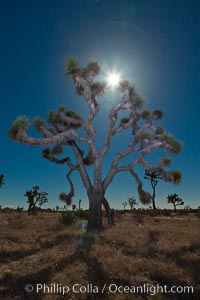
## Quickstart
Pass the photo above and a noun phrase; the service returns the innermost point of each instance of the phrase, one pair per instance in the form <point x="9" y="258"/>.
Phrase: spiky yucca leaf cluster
<point x="22" y="122"/>
<point x="46" y="152"/>
<point x="53" y="118"/>
<point x="165" y="162"/>
<point x="158" y="114"/>
<point x="136" y="100"/>
<point x="173" y="176"/>
<point x="159" y="130"/>
<point x="39" y="123"/>
<point x="73" y="69"/>
<point x="94" y="67"/>
<point x="144" y="197"/>
<point x="71" y="65"/>
<point x="67" y="198"/>
<point x="177" y="176"/>
<point x="123" y="85"/>
<point x="143" y="135"/>
<point x="174" y="145"/>
<point x="62" y="108"/>
<point x="72" y="114"/>
<point x="98" y="88"/>
<point x="145" y="114"/>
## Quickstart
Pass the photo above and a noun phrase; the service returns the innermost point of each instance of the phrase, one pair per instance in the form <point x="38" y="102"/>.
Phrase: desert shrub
<point x="150" y="250"/>
<point x="195" y="246"/>
<point x="139" y="219"/>
<point x="156" y="220"/>
<point x="7" y="210"/>
<point x="198" y="214"/>
<point x="82" y="214"/>
<point x="67" y="218"/>
<point x="166" y="213"/>
<point x="153" y="236"/>
<point x="154" y="213"/>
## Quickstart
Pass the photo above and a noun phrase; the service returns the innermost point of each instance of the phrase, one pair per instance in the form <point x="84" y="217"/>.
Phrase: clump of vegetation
<point x="132" y="202"/>
<point x="124" y="204"/>
<point x="175" y="200"/>
<point x="67" y="217"/>
<point x="35" y="197"/>
<point x="1" y="180"/>
<point x="153" y="177"/>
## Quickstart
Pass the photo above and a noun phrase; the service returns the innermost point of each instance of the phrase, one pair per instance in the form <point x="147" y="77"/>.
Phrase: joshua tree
<point x="34" y="197"/>
<point x="79" y="204"/>
<point x="1" y="180"/>
<point x="61" y="131"/>
<point x="73" y="207"/>
<point x="187" y="207"/>
<point x="124" y="204"/>
<point x="132" y="202"/>
<point x="175" y="200"/>
<point x="153" y="176"/>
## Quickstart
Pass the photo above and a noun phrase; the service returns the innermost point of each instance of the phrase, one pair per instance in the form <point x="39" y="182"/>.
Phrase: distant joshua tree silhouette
<point x="153" y="177"/>
<point x="73" y="207"/>
<point x="1" y="180"/>
<point x="175" y="200"/>
<point x="34" y="197"/>
<point x="79" y="204"/>
<point x="132" y="202"/>
<point x="124" y="204"/>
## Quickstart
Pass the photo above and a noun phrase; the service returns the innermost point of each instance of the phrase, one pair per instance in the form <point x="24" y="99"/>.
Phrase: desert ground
<point x="139" y="249"/>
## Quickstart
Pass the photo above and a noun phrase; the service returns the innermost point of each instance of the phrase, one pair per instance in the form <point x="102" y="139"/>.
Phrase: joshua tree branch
<point x="113" y="119"/>
<point x="82" y="170"/>
<point x="22" y="137"/>
<point x="71" y="120"/>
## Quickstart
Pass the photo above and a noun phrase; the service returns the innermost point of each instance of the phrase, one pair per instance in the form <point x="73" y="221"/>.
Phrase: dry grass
<point x="137" y="250"/>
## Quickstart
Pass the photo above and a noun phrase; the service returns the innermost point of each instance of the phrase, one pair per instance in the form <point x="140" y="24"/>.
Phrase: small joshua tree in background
<point x="132" y="202"/>
<point x="79" y="204"/>
<point x="124" y="204"/>
<point x="155" y="173"/>
<point x="153" y="177"/>
<point x="1" y="180"/>
<point x="73" y="207"/>
<point x="175" y="200"/>
<point x="35" y="197"/>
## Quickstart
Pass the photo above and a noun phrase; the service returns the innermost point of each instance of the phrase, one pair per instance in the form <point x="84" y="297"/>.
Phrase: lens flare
<point x="113" y="79"/>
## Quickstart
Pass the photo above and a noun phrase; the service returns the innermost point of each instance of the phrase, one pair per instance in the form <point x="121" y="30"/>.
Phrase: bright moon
<point x="113" y="79"/>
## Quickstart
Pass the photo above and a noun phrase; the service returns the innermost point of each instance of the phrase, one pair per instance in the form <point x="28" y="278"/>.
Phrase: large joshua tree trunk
<point x="96" y="199"/>
<point x="95" y="211"/>
<point x="109" y="211"/>
<point x="153" y="199"/>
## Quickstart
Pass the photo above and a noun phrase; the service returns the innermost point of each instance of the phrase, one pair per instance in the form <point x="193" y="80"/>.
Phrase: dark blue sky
<point x="155" y="44"/>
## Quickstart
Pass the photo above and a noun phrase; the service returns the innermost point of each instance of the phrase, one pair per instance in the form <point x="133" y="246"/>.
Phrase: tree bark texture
<point x="95" y="211"/>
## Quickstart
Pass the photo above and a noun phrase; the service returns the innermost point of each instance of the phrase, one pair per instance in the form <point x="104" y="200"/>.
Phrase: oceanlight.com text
<point x="76" y="288"/>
